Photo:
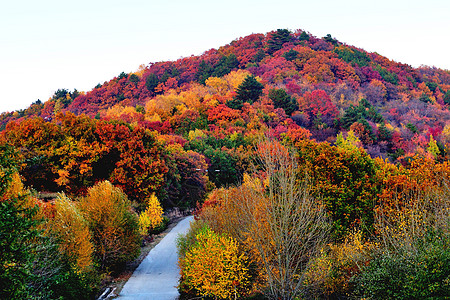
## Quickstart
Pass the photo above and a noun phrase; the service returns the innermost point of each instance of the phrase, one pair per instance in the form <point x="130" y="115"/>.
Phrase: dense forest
<point x="316" y="169"/>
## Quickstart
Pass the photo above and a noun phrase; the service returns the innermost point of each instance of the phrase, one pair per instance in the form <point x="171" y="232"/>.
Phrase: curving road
<point x="157" y="276"/>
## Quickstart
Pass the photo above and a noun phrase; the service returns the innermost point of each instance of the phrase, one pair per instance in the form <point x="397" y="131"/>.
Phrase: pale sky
<point x="50" y="44"/>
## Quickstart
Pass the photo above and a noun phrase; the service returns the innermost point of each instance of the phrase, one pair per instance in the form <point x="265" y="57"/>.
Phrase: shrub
<point x="331" y="272"/>
<point x="424" y="274"/>
<point x="214" y="266"/>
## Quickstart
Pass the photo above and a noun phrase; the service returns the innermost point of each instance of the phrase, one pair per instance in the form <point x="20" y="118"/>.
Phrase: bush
<point x="424" y="274"/>
<point x="162" y="226"/>
<point x="214" y="267"/>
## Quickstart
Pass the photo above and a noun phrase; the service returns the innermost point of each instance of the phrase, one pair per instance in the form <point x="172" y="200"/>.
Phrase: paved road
<point x="157" y="276"/>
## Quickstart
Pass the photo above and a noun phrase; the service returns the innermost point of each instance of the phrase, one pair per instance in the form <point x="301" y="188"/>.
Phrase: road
<point x="157" y="276"/>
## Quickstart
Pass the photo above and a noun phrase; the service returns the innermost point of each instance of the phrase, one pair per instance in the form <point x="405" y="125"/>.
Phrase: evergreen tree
<point x="249" y="90"/>
<point x="281" y="99"/>
<point x="303" y="37"/>
<point x="204" y="71"/>
<point x="151" y="82"/>
<point x="280" y="37"/>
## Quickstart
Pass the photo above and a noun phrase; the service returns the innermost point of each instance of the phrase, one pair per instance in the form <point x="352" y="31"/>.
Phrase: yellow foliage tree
<point x="235" y="78"/>
<point x="163" y="105"/>
<point x="350" y="143"/>
<point x="151" y="217"/>
<point x="214" y="266"/>
<point x="217" y="85"/>
<point x="72" y="230"/>
<point x="15" y="187"/>
<point x="196" y="134"/>
<point x="113" y="225"/>
<point x="119" y="110"/>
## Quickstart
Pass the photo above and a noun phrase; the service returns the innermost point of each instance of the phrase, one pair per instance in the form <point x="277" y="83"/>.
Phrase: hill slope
<point x="290" y="85"/>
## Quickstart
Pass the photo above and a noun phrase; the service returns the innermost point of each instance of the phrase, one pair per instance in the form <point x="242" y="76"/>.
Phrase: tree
<point x="225" y="65"/>
<point x="276" y="219"/>
<point x="187" y="181"/>
<point x="304" y="36"/>
<point x="295" y="225"/>
<point x="447" y="97"/>
<point x="330" y="39"/>
<point x="17" y="229"/>
<point x="71" y="228"/>
<point x="277" y="40"/>
<point x="290" y="55"/>
<point x="249" y="90"/>
<point x="31" y="266"/>
<point x="363" y="111"/>
<point x="113" y="226"/>
<point x="318" y="105"/>
<point x="134" y="79"/>
<point x="345" y="178"/>
<point x="223" y="170"/>
<point x="151" y="217"/>
<point x="281" y="99"/>
<point x="151" y="82"/>
<point x="204" y="71"/>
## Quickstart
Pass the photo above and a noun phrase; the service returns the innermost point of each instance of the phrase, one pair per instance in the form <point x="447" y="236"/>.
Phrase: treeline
<point x="73" y="153"/>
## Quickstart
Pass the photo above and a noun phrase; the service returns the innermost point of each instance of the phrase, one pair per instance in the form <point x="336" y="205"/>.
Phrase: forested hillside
<point x="362" y="139"/>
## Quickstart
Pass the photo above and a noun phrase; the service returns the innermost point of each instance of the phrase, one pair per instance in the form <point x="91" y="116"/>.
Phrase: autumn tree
<point x="317" y="104"/>
<point x="344" y="177"/>
<point x="277" y="219"/>
<point x="132" y="160"/>
<point x="151" y="217"/>
<point x="114" y="228"/>
<point x="187" y="182"/>
<point x="296" y="224"/>
<point x="71" y="228"/>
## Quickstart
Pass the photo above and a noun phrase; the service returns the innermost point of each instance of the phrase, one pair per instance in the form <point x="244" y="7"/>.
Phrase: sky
<point x="48" y="45"/>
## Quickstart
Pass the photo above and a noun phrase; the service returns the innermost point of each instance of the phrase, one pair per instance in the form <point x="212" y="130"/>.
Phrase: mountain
<point x="290" y="85"/>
